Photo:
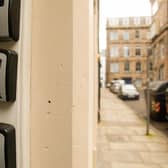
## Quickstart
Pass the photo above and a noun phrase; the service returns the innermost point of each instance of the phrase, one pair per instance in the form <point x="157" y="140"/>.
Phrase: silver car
<point x="128" y="91"/>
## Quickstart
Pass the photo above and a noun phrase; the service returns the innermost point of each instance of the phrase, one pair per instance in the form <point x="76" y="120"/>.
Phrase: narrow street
<point x="122" y="142"/>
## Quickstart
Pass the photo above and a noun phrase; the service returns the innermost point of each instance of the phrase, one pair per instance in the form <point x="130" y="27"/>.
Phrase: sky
<point x="120" y="8"/>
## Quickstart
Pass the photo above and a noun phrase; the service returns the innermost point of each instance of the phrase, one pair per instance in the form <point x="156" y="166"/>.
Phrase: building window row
<point x="129" y="21"/>
<point x="114" y="51"/>
<point x="114" y="35"/>
<point x="114" y="67"/>
<point x="138" y="67"/>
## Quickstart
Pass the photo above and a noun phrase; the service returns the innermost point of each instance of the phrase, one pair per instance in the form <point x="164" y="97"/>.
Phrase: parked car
<point x="128" y="91"/>
<point x="115" y="85"/>
<point x="120" y="81"/>
<point x="108" y="85"/>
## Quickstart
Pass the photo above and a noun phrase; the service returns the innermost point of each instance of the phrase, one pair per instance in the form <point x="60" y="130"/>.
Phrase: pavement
<point x="122" y="140"/>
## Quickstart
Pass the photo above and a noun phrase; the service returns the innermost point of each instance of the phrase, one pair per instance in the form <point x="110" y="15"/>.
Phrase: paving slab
<point x="121" y="156"/>
<point x="164" y="166"/>
<point x="129" y="146"/>
<point x="132" y="165"/>
<point x="104" y="165"/>
<point x="155" y="157"/>
<point x="146" y="139"/>
<point x="157" y="147"/>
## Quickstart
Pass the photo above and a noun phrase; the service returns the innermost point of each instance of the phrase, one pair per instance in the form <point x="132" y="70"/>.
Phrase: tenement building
<point x="159" y="36"/>
<point x="128" y="42"/>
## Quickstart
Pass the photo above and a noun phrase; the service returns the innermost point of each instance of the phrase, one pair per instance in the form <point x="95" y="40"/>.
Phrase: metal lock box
<point x="9" y="20"/>
<point x="7" y="146"/>
<point x="8" y="75"/>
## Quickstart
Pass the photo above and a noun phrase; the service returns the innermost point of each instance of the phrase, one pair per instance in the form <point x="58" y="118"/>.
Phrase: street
<point x="139" y="107"/>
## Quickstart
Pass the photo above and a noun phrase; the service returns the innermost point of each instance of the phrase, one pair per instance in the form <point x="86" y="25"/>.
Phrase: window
<point x="148" y="20"/>
<point x="137" y="51"/>
<point x="138" y="67"/>
<point x="162" y="50"/>
<point x="126" y="66"/>
<point x="125" y="21"/>
<point x="114" y="52"/>
<point x="126" y="52"/>
<point x="114" y="22"/>
<point x="137" y="34"/>
<point x="150" y="66"/>
<point x="114" y="67"/>
<point x="126" y="35"/>
<point x="149" y="51"/>
<point x="161" y="72"/>
<point x="113" y="35"/>
<point x="137" y="21"/>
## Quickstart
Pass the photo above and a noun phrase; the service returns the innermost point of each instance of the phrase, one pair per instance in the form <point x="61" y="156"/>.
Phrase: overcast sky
<point x="120" y="8"/>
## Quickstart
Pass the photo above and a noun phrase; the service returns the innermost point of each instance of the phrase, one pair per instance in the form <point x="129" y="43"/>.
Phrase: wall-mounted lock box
<point x="7" y="146"/>
<point x="8" y="75"/>
<point x="9" y="20"/>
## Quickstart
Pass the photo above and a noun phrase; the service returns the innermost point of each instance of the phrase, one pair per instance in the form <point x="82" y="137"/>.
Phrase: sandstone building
<point x="128" y="43"/>
<point x="159" y="36"/>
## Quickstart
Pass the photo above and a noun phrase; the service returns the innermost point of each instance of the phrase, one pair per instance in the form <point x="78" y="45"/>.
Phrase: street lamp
<point x="148" y="96"/>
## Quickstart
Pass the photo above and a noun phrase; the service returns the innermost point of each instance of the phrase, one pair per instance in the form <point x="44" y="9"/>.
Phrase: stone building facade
<point x="159" y="37"/>
<point x="128" y="43"/>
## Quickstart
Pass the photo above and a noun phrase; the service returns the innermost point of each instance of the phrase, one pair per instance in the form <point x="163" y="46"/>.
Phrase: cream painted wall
<point x="60" y="38"/>
<point x="84" y="86"/>
<point x="63" y="71"/>
<point x="51" y="84"/>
